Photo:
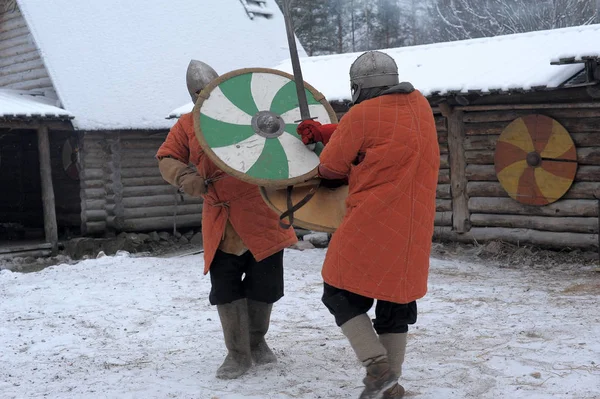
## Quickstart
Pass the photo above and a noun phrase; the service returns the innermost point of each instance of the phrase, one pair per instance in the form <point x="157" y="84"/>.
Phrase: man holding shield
<point x="387" y="148"/>
<point x="243" y="240"/>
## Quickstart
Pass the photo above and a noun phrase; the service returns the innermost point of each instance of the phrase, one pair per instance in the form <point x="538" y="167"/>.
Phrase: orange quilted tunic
<point x="381" y="249"/>
<point x="256" y="224"/>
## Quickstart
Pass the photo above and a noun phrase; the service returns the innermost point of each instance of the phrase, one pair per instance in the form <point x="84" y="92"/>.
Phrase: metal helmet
<point x="372" y="69"/>
<point x="198" y="76"/>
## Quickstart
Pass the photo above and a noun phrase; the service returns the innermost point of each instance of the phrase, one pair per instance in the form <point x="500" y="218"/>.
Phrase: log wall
<point x="572" y="221"/>
<point x="21" y="66"/>
<point x="122" y="189"/>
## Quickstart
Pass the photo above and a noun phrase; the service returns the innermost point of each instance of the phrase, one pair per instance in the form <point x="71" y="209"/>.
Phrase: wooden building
<point x="97" y="90"/>
<point x="477" y="89"/>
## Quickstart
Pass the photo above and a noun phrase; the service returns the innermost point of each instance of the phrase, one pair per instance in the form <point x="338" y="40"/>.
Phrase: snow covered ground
<point x="123" y="327"/>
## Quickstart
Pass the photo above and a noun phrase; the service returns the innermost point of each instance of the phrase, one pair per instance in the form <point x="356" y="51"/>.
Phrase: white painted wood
<point x="243" y="155"/>
<point x="264" y="88"/>
<point x="301" y="160"/>
<point x="218" y="107"/>
<point x="316" y="111"/>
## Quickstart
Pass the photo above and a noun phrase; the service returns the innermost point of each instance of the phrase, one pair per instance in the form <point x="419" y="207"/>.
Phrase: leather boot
<point x="395" y="345"/>
<point x="259" y="314"/>
<point x="372" y="354"/>
<point x="234" y="320"/>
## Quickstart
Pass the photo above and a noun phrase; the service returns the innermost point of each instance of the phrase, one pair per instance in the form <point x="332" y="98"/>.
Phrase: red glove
<point x="314" y="132"/>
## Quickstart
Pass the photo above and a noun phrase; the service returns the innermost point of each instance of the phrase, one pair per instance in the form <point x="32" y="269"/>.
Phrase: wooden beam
<point x="50" y="225"/>
<point x="502" y="107"/>
<point x="458" y="165"/>
<point x="35" y="125"/>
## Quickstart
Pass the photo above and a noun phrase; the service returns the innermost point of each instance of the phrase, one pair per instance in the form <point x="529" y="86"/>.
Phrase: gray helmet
<point x="372" y="69"/>
<point x="198" y="76"/>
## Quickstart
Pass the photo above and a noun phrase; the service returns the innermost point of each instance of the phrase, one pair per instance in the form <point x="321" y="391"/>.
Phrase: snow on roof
<point x="520" y="61"/>
<point x="121" y="64"/>
<point x="20" y="105"/>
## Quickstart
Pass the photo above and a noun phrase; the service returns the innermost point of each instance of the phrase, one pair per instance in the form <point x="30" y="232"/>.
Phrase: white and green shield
<point x="246" y="123"/>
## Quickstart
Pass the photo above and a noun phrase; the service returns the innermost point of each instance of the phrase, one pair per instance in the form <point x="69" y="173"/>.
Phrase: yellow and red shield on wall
<point x="535" y="160"/>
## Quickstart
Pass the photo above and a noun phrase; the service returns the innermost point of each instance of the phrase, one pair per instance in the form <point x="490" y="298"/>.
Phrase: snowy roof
<point x="121" y="64"/>
<point x="20" y="105"/>
<point x="520" y="61"/>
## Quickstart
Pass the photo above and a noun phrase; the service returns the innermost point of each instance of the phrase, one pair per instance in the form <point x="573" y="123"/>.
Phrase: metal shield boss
<point x="246" y="122"/>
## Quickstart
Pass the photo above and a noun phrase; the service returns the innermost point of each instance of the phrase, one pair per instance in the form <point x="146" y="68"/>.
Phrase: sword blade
<point x="289" y="25"/>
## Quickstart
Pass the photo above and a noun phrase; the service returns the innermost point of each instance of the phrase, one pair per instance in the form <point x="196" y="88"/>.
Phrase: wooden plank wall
<point x="569" y="222"/>
<point x="21" y="67"/>
<point x="122" y="189"/>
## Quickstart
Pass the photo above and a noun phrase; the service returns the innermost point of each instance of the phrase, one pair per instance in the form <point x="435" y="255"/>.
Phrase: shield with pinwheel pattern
<point x="246" y="123"/>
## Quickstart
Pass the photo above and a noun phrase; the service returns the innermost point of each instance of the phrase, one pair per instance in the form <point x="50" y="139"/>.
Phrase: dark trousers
<point x="235" y="277"/>
<point x="390" y="318"/>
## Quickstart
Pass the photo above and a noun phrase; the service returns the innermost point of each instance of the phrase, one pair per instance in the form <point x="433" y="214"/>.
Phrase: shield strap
<point x="289" y="213"/>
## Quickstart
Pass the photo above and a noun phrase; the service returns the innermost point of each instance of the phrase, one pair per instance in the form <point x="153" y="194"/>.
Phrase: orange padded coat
<point x="381" y="249"/>
<point x="227" y="197"/>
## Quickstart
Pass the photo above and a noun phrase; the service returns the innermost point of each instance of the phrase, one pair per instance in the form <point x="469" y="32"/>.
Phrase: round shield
<point x="324" y="212"/>
<point x="535" y="160"/>
<point x="246" y="123"/>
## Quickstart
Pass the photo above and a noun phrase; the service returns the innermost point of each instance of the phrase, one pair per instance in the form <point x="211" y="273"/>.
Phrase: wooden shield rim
<point x="297" y="222"/>
<point x="571" y="140"/>
<point x="205" y="94"/>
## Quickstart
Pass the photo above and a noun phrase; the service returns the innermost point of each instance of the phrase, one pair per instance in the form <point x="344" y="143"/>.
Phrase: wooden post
<point x="50" y="226"/>
<point x="458" y="166"/>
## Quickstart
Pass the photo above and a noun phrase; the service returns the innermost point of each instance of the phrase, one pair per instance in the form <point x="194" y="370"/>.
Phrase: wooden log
<point x="443" y="191"/>
<point x="85" y="184"/>
<point x="22" y="247"/>
<point x="140" y="172"/>
<point x="443" y="219"/>
<point x="488" y="128"/>
<point x="458" y="179"/>
<point x="443" y="148"/>
<point x="156" y="211"/>
<point x="580" y="208"/>
<point x="588" y="173"/>
<point x="588" y="156"/>
<point x="95" y="204"/>
<point x="510" y="115"/>
<point x="148" y="201"/>
<point x="94" y="227"/>
<point x="543" y="223"/>
<point x="578" y="190"/>
<point x="444" y="164"/>
<point x="143" y="181"/>
<point x="442" y="137"/>
<point x="586" y="139"/>
<point x="136" y="163"/>
<point x="479" y="157"/>
<point x="480" y="142"/>
<point x="94" y="193"/>
<point x="546" y="239"/>
<point x="539" y="106"/>
<point x="481" y="173"/>
<point x="444" y="176"/>
<point x="95" y="215"/>
<point x="163" y="189"/>
<point x="48" y="203"/>
<point x="90" y="173"/>
<point x="443" y="205"/>
<point x="485" y="189"/>
<point x="161" y="223"/>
